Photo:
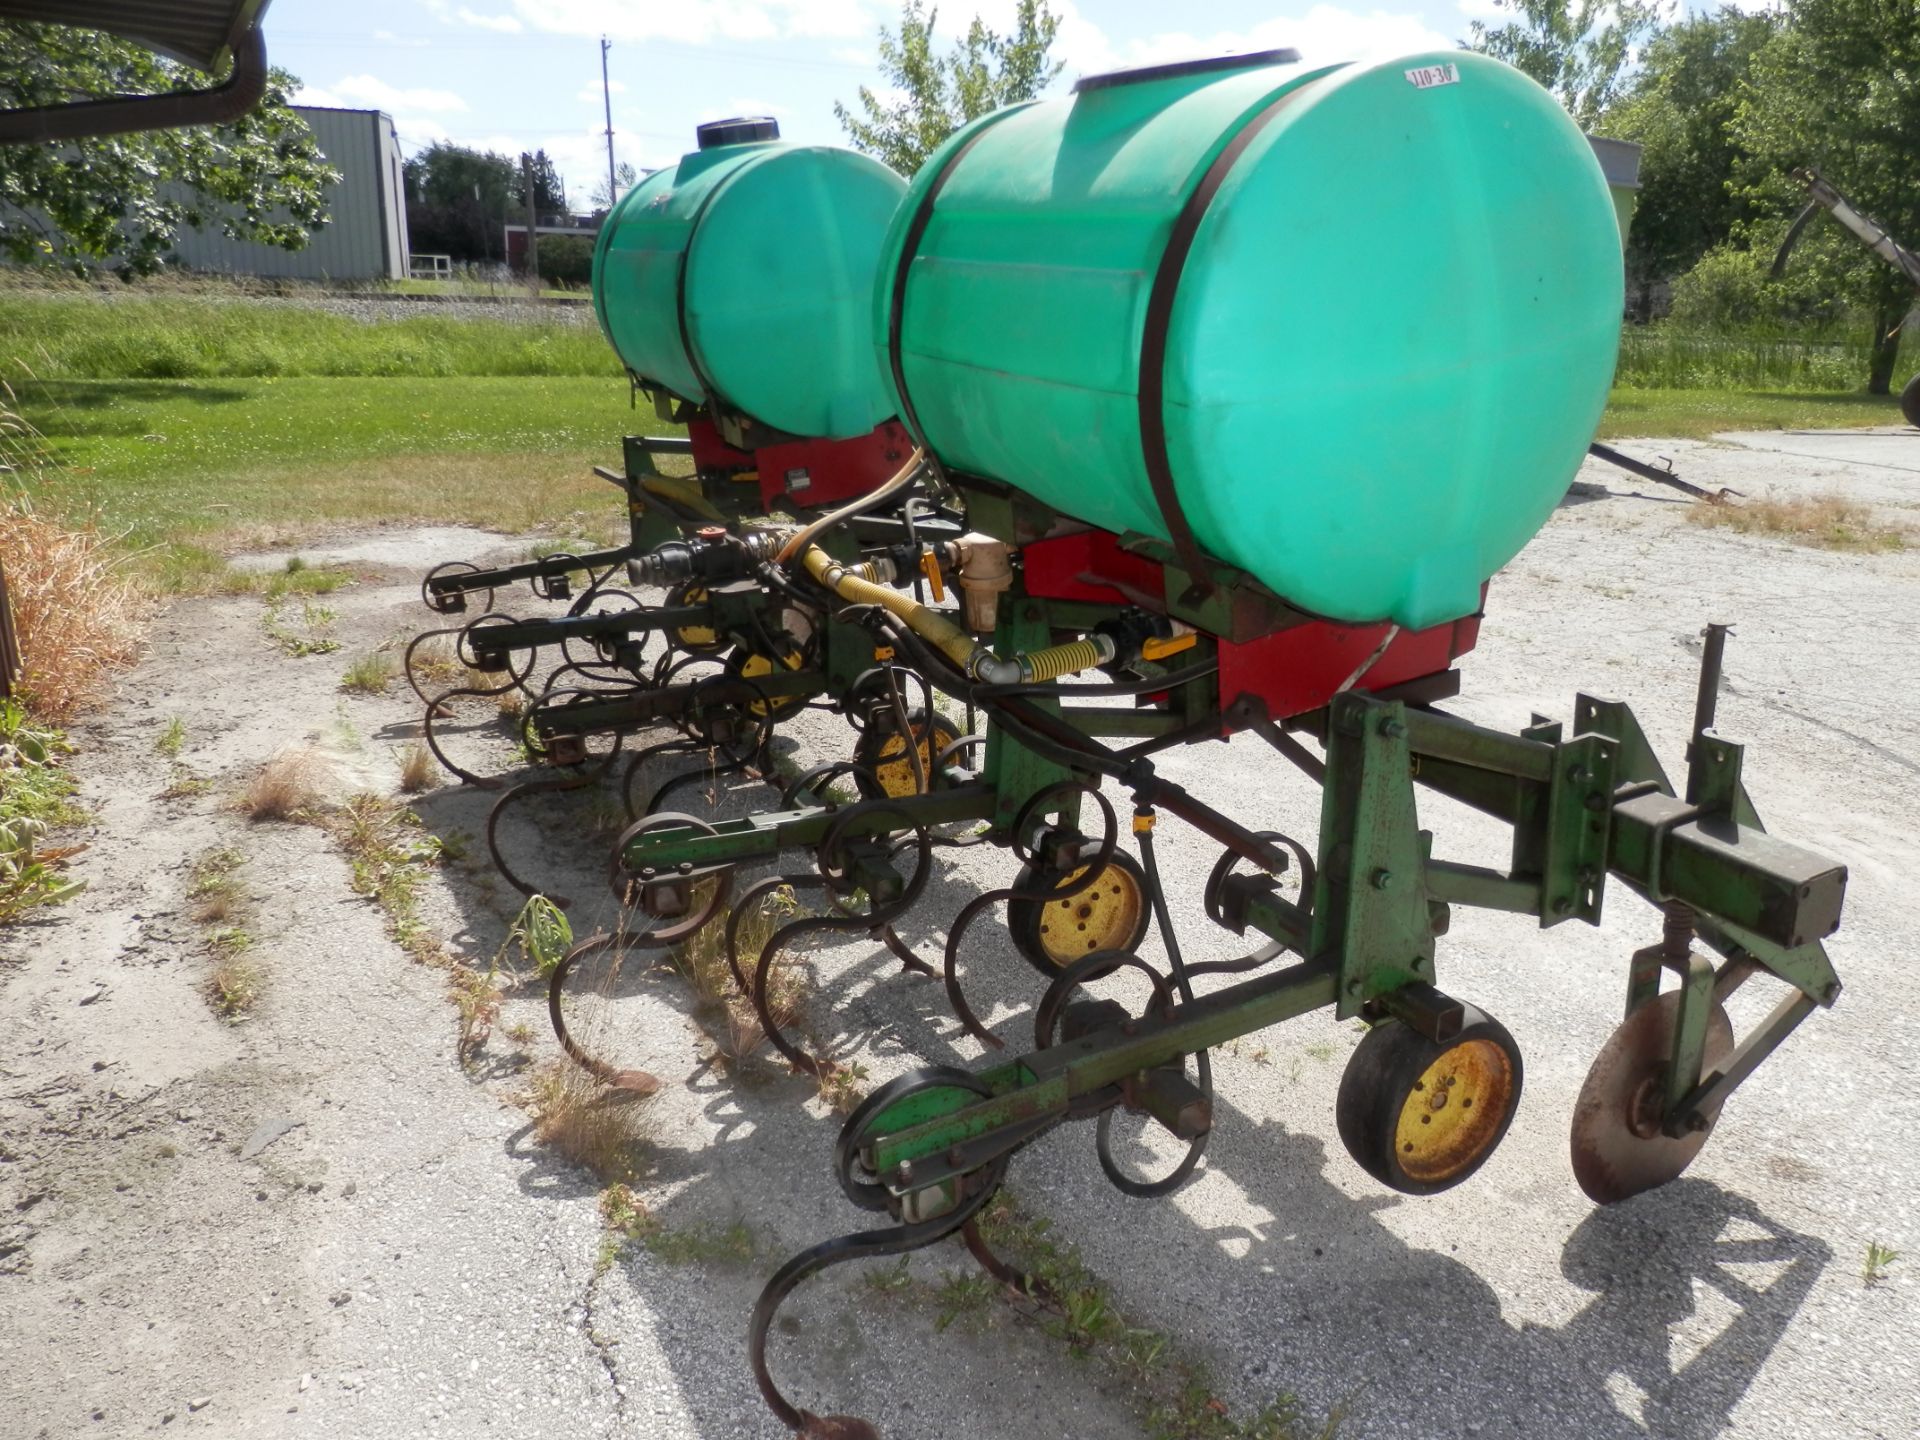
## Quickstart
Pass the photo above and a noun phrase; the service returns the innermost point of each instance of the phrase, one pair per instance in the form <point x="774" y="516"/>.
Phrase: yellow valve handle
<point x="1172" y="645"/>
<point x="930" y="567"/>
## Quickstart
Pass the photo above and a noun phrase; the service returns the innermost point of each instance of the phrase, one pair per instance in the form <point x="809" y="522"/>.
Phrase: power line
<point x="521" y="41"/>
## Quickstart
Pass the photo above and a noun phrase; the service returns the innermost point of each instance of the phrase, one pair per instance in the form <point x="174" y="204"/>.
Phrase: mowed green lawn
<point x="194" y="427"/>
<point x="187" y="467"/>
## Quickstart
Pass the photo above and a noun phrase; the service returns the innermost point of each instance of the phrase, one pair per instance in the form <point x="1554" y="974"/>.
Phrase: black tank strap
<point x="1153" y="346"/>
<point x="710" y="394"/>
<point x="909" y="247"/>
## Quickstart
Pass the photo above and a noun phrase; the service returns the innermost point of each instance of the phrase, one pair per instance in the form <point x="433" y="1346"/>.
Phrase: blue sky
<point x="518" y="74"/>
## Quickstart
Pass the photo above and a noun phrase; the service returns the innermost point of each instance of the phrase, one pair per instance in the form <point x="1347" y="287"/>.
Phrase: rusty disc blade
<point x="838" y="1427"/>
<point x="633" y="1082"/>
<point x="1614" y="1155"/>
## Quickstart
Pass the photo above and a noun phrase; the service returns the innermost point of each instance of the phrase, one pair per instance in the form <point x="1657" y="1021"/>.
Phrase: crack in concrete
<point x="603" y="1348"/>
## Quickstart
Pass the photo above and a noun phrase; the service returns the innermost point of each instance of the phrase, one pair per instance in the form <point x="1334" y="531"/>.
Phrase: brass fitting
<point x="986" y="569"/>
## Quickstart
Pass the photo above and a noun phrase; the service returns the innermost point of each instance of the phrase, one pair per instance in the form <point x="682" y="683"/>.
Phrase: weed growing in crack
<point x="585" y="1124"/>
<point x="183" y="782"/>
<point x="389" y="858"/>
<point x="731" y="1023"/>
<point x="417" y="769"/>
<point x="630" y="1223"/>
<point x="213" y="887"/>
<point x="234" y="980"/>
<point x="370" y="674"/>
<point x="1879" y="1257"/>
<point x="172" y="738"/>
<point x="287" y="787"/>
<point x="1173" y="1395"/>
<point x="217" y="901"/>
<point x="317" y="621"/>
<point x="541" y="933"/>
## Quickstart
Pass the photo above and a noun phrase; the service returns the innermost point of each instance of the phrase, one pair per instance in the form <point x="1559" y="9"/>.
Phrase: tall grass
<point x="77" y="613"/>
<point x="68" y="336"/>
<point x="1669" y="355"/>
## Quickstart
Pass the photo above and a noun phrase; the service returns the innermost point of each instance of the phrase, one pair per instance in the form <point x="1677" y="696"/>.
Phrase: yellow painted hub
<point x="1104" y="916"/>
<point x="756" y="666"/>
<point x="894" y="770"/>
<point x="1454" y="1111"/>
<point x="695" y="637"/>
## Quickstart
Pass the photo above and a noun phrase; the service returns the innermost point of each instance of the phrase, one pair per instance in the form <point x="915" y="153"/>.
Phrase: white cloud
<point x="856" y="55"/>
<point x="1485" y="10"/>
<point x="372" y="93"/>
<point x="590" y="92"/>
<point x="505" y="24"/>
<point x="387" y="37"/>
<point x="1326" y="33"/>
<point x="700" y="22"/>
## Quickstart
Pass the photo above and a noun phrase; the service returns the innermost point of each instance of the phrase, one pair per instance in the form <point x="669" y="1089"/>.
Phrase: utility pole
<point x="533" y="225"/>
<point x="606" y="94"/>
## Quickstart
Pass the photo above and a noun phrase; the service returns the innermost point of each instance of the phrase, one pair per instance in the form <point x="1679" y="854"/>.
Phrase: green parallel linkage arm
<point x="531" y="634"/>
<point x="762" y="837"/>
<point x="1581" y="808"/>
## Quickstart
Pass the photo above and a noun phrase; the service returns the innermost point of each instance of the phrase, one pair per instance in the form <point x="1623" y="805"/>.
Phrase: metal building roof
<point x="200" y="32"/>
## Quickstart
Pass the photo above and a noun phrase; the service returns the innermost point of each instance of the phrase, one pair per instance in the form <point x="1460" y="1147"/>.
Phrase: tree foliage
<point x="1838" y="90"/>
<point x="123" y="199"/>
<point x="1679" y="107"/>
<point x="549" y="189"/>
<point x="930" y="95"/>
<point x="1578" y="49"/>
<point x="457" y="201"/>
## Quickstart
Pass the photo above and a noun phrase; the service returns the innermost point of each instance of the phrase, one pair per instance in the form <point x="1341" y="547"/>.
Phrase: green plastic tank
<point x="741" y="278"/>
<point x="1388" y="297"/>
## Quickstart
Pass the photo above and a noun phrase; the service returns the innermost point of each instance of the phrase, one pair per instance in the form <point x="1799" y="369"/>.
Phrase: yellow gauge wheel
<point x="755" y="666"/>
<point x="883" y="751"/>
<point x="1109" y="914"/>
<point x="1421" y="1115"/>
<point x="700" y="639"/>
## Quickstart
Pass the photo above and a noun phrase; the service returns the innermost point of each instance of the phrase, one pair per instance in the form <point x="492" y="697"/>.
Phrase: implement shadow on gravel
<point x="1689" y="1289"/>
<point x="1692" y="1287"/>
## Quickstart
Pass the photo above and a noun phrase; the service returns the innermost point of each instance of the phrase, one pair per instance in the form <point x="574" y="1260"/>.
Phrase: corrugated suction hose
<point x="938" y="630"/>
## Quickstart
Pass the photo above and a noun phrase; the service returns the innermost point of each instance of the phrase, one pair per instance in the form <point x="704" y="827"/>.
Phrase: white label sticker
<point x="1425" y="77"/>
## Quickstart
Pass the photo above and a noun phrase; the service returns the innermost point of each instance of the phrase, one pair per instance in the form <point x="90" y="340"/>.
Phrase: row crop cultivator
<point x="1100" y="560"/>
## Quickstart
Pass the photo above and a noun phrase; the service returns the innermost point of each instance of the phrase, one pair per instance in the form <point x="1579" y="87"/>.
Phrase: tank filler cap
<point x="741" y="130"/>
<point x="1143" y="73"/>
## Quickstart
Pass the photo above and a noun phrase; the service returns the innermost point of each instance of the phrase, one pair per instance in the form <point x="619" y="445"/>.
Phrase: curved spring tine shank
<point x="974" y="908"/>
<point x="636" y="1082"/>
<point x="868" y="1245"/>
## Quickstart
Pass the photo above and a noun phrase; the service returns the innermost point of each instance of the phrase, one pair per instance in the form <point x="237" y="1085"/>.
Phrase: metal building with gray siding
<point x="366" y="236"/>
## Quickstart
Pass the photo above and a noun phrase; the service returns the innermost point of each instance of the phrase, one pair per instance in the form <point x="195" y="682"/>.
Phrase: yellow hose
<point x="974" y="659"/>
<point x="930" y="625"/>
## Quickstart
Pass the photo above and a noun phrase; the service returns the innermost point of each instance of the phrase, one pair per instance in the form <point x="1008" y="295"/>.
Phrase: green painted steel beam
<point x="761" y="837"/>
<point x="1041" y="1084"/>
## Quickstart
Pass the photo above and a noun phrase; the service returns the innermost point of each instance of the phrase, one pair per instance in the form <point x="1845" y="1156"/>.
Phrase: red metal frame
<point x="1296" y="667"/>
<point x="812" y="474"/>
<point x="710" y="452"/>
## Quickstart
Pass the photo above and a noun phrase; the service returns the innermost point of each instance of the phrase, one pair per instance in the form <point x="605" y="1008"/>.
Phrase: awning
<point x="207" y="34"/>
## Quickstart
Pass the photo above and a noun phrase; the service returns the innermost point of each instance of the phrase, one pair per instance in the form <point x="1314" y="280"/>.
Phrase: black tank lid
<point x="741" y="130"/>
<point x="1185" y="67"/>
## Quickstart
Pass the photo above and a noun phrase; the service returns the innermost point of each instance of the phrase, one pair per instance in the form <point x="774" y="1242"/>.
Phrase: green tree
<point x="940" y="93"/>
<point x="457" y="201"/>
<point x="448" y="174"/>
<point x="122" y="199"/>
<point x="1678" y="109"/>
<point x="1838" y="90"/>
<point x="549" y="190"/>
<point x="1578" y="49"/>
